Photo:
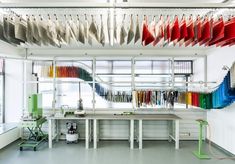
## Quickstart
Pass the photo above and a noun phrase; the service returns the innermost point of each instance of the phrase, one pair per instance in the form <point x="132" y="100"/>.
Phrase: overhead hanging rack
<point x="68" y="30"/>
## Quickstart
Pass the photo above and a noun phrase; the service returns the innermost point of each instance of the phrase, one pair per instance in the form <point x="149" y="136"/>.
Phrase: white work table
<point x="159" y="117"/>
<point x="98" y="117"/>
<point x="131" y="118"/>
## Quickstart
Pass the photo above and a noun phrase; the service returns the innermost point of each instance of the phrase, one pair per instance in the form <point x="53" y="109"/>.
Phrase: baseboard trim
<point x="220" y="148"/>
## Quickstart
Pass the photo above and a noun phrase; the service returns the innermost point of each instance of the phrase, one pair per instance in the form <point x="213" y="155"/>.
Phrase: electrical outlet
<point x="185" y="134"/>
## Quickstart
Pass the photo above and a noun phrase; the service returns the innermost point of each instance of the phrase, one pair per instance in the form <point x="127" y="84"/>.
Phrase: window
<point x="114" y="77"/>
<point x="113" y="81"/>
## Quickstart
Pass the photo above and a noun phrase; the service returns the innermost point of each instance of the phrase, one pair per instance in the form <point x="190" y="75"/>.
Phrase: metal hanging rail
<point x="118" y="5"/>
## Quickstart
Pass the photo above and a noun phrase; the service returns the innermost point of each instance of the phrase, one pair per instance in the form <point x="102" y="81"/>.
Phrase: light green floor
<point x="109" y="152"/>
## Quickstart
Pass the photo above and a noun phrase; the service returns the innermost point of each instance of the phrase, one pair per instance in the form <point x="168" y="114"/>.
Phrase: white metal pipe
<point x="116" y="5"/>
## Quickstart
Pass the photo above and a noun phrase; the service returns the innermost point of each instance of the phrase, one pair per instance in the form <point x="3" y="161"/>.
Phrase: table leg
<point x="132" y="134"/>
<point x="95" y="133"/>
<point x="57" y="131"/>
<point x="50" y="133"/>
<point x="98" y="130"/>
<point x="140" y="134"/>
<point x="87" y="133"/>
<point x="90" y="130"/>
<point x="176" y="134"/>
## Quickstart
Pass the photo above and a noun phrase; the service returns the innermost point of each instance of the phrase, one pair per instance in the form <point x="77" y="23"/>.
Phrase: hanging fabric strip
<point x="81" y="32"/>
<point x="123" y="33"/>
<point x="167" y="33"/>
<point x="20" y="29"/>
<point x="183" y="31"/>
<point x="159" y="30"/>
<point x="218" y="31"/>
<point x="147" y="37"/>
<point x="109" y="28"/>
<point x="190" y="31"/>
<point x="102" y="36"/>
<point x="137" y="30"/>
<point x="229" y="33"/>
<point x="115" y="28"/>
<point x="93" y="29"/>
<point x="175" y="30"/>
<point x="197" y="30"/>
<point x="206" y="32"/>
<point x="131" y="31"/>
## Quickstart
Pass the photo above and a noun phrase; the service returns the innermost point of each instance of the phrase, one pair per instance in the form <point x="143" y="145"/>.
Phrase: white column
<point x="95" y="133"/>
<point x="132" y="134"/>
<point x="50" y="133"/>
<point x="140" y="134"/>
<point x="54" y="86"/>
<point x="87" y="133"/>
<point x="176" y="134"/>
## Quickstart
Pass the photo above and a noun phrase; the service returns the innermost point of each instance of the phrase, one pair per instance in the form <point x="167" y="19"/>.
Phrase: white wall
<point x="221" y="120"/>
<point x="13" y="90"/>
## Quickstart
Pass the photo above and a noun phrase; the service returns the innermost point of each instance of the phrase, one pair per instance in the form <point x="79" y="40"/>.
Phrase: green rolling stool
<point x="198" y="153"/>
